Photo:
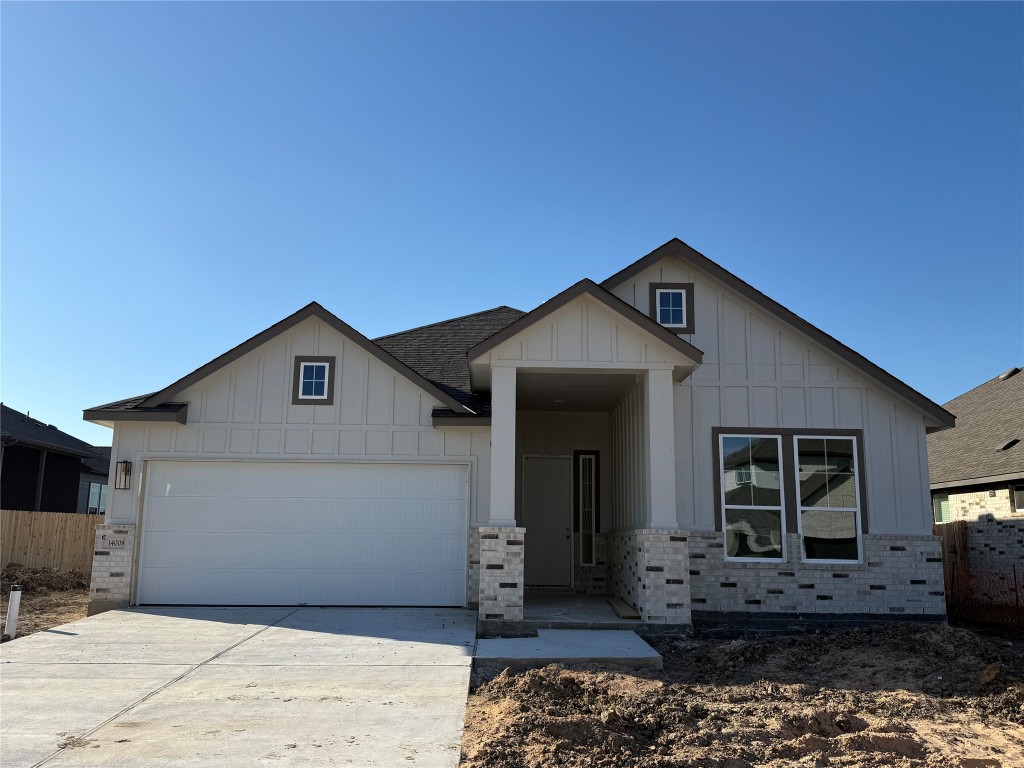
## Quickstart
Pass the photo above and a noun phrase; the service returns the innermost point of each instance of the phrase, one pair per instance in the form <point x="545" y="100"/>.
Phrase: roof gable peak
<point x="313" y="309"/>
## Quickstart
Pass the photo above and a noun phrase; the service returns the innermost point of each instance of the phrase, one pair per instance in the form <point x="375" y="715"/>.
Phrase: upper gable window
<point x="313" y="381"/>
<point x="672" y="306"/>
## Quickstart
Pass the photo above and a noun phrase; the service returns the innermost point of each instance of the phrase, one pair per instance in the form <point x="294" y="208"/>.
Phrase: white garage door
<point x="220" y="533"/>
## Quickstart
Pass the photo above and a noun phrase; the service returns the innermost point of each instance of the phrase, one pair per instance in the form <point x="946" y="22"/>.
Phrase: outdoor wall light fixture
<point x="123" y="476"/>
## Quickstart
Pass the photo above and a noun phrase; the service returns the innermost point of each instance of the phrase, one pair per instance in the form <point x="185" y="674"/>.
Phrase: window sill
<point x="852" y="565"/>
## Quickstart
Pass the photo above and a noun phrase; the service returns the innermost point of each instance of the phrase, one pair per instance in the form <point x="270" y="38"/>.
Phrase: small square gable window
<point x="672" y="306"/>
<point x="313" y="381"/>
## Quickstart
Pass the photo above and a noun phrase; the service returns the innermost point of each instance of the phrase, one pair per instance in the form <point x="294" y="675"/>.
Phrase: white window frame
<point x="302" y="379"/>
<point x="722" y="505"/>
<point x="858" y="514"/>
<point x="937" y="501"/>
<point x="592" y="458"/>
<point x="101" y="499"/>
<point x="657" y="306"/>
<point x="1017" y="488"/>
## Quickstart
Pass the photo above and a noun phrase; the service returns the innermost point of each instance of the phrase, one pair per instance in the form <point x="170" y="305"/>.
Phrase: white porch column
<point x="503" y="448"/>
<point x="661" y="453"/>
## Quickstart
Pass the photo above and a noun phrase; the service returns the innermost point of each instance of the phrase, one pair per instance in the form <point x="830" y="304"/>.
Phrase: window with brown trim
<point x="770" y="482"/>
<point x="672" y="306"/>
<point x="313" y="380"/>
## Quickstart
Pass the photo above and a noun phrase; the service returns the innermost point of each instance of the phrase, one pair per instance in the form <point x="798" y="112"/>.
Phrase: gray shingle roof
<point x="134" y="404"/>
<point x="437" y="352"/>
<point x="987" y="417"/>
<point x="17" y="427"/>
<point x="99" y="463"/>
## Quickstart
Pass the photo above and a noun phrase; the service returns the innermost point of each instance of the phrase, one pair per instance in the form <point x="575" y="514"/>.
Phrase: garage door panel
<point x="221" y="587"/>
<point x="216" y="533"/>
<point x="255" y="480"/>
<point x="210" y="514"/>
<point x="249" y="549"/>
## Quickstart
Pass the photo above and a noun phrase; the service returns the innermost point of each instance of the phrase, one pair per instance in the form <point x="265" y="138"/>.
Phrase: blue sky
<point x="177" y="177"/>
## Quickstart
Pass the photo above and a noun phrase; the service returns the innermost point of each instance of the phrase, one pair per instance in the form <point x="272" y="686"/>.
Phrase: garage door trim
<point x="460" y="502"/>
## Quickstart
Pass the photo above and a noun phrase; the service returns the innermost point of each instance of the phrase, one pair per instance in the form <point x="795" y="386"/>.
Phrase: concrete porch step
<point x="569" y="646"/>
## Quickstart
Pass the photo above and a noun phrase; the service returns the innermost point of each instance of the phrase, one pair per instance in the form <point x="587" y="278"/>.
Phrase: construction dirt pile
<point x="40" y="581"/>
<point x="899" y="695"/>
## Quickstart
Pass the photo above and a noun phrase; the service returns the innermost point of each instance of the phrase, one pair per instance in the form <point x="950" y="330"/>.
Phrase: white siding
<point x="629" y="480"/>
<point x="759" y="372"/>
<point x="584" y="334"/>
<point x="244" y="412"/>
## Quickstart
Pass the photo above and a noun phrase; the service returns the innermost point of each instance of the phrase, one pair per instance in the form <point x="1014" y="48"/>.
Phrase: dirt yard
<point x="899" y="695"/>
<point x="48" y="597"/>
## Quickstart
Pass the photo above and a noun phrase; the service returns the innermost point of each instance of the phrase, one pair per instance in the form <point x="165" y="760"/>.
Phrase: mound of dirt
<point x="41" y="580"/>
<point x="897" y="695"/>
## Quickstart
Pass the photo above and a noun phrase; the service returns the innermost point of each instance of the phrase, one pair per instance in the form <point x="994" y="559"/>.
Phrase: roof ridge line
<point x="983" y="384"/>
<point x="449" y="320"/>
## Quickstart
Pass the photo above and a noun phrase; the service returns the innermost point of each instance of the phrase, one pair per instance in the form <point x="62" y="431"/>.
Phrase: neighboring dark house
<point x="977" y="469"/>
<point x="92" y="487"/>
<point x="42" y="468"/>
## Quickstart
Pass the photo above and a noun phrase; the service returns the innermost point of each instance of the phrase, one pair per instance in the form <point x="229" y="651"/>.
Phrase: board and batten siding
<point x="629" y="456"/>
<point x="760" y="372"/>
<point x="583" y="334"/>
<point x="245" y="411"/>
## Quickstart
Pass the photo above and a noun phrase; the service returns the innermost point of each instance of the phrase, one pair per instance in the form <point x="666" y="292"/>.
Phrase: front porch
<point x="591" y="516"/>
<point x="582" y="469"/>
<point x="566" y="610"/>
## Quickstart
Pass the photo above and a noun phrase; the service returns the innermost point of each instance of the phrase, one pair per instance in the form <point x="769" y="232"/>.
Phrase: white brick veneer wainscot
<point x="113" y="553"/>
<point x="900" y="574"/>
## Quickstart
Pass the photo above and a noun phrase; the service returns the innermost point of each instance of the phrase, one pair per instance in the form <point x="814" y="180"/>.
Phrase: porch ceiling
<point x="571" y="391"/>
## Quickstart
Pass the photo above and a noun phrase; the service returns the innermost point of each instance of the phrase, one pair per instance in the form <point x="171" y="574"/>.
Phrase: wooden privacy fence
<point x="991" y="594"/>
<point x="62" y="540"/>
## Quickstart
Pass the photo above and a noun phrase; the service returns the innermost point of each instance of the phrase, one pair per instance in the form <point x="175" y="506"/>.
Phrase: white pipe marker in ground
<point x="13" y="604"/>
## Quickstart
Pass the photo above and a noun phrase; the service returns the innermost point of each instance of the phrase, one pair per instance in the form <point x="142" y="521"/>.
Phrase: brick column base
<point x="649" y="569"/>
<point x="501" y="573"/>
<point x="112" y="567"/>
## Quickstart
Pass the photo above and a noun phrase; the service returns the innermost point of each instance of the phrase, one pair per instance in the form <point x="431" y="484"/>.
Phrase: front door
<point x="547" y="514"/>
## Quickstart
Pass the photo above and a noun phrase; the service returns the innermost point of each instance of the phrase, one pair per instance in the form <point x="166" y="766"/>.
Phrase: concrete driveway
<point x="239" y="687"/>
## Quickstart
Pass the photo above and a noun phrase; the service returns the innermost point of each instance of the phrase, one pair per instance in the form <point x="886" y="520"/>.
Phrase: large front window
<point x="813" y="479"/>
<point x="828" y="498"/>
<point x="752" y="497"/>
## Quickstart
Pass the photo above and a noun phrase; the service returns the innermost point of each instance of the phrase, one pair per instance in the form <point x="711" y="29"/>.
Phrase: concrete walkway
<point x="239" y="687"/>
<point x="569" y="646"/>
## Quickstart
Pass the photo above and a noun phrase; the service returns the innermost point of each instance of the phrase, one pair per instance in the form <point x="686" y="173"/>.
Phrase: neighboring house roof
<point x="158" y="406"/>
<point x="988" y="419"/>
<point x="99" y="463"/>
<point x="438" y="352"/>
<point x="20" y="428"/>
<point x="675" y="247"/>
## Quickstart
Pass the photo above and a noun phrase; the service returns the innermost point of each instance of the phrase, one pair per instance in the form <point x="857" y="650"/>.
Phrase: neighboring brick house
<point x="670" y="436"/>
<point x="45" y="469"/>
<point x="977" y="469"/>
